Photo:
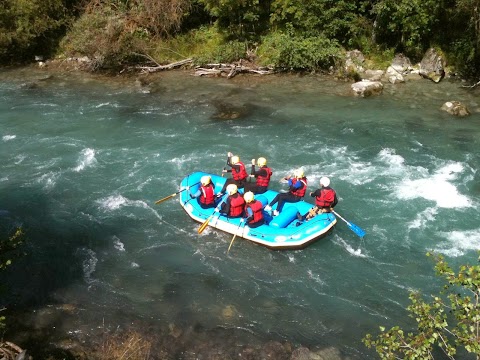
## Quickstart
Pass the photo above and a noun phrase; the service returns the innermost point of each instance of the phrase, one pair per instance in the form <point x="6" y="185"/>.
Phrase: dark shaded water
<point x="84" y="159"/>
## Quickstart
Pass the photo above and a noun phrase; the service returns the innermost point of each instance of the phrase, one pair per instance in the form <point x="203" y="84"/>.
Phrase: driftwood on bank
<point x="230" y="70"/>
<point x="472" y="86"/>
<point x="158" y="67"/>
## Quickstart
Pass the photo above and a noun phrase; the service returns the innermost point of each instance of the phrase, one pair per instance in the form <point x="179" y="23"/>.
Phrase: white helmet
<point x="205" y="180"/>
<point x="299" y="173"/>
<point x="324" y="181"/>
<point x="234" y="160"/>
<point x="232" y="189"/>
<point x="248" y="196"/>
<point x="261" y="161"/>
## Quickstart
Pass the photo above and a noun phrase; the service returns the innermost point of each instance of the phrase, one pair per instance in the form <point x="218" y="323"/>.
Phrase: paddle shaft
<point x="174" y="194"/>
<point x="217" y="209"/>
<point x="231" y="242"/>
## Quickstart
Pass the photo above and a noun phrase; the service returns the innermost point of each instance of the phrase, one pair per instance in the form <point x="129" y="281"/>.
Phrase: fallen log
<point x="158" y="67"/>
<point x="230" y="70"/>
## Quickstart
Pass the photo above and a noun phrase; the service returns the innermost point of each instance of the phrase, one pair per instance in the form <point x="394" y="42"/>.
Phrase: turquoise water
<point x="84" y="159"/>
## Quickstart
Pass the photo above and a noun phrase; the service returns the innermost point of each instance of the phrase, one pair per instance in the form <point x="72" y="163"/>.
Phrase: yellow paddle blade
<point x="165" y="198"/>
<point x="231" y="243"/>
<point x="204" y="225"/>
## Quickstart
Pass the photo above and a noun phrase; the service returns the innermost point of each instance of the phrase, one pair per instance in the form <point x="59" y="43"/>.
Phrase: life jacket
<point x="264" y="180"/>
<point x="239" y="175"/>
<point x="208" y="196"/>
<point x="326" y="197"/>
<point x="237" y="204"/>
<point x="256" y="207"/>
<point x="302" y="190"/>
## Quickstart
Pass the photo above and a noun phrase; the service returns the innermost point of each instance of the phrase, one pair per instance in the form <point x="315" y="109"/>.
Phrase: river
<point x="85" y="157"/>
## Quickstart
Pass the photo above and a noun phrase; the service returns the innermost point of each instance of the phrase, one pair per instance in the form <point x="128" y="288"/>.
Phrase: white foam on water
<point x="315" y="277"/>
<point x="48" y="180"/>
<point x="87" y="158"/>
<point x="458" y="243"/>
<point x="112" y="202"/>
<point x="117" y="244"/>
<point x="355" y="252"/>
<point x="436" y="187"/>
<point x="422" y="218"/>
<point x="20" y="158"/>
<point x="102" y="105"/>
<point x="8" y="137"/>
<point x="89" y="264"/>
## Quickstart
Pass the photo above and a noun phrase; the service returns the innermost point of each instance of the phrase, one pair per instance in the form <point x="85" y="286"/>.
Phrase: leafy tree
<point x="464" y="36"/>
<point x="407" y="25"/>
<point x="342" y="20"/>
<point x="291" y="51"/>
<point x="31" y="27"/>
<point x="243" y="20"/>
<point x="449" y="322"/>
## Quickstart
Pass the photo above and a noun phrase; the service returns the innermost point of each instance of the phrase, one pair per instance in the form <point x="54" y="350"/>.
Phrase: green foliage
<point x="8" y="247"/>
<point x="296" y="52"/>
<point x="31" y="27"/>
<point x="204" y="45"/>
<point x="242" y="20"/>
<point x="105" y="38"/>
<point x="342" y="20"/>
<point x="450" y="321"/>
<point x="407" y="25"/>
<point x="8" y="251"/>
<point x="223" y="53"/>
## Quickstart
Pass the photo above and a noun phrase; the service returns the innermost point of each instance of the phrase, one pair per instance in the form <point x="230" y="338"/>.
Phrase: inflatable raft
<point x="280" y="232"/>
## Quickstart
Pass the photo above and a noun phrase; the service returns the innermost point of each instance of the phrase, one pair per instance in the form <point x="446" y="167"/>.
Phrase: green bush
<point x="447" y="323"/>
<point x="106" y="38"/>
<point x="296" y="52"/>
<point x="31" y="27"/>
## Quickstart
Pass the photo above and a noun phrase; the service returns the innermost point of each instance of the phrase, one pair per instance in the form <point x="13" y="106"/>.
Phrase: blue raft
<point x="280" y="232"/>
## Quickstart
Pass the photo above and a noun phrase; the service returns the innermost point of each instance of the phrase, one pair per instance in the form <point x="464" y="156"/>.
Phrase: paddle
<point x="174" y="194"/>
<point x="360" y="232"/>
<point x="217" y="209"/>
<point x="238" y="228"/>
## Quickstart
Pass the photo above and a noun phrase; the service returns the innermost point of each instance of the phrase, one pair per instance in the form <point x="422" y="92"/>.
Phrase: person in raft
<point x="262" y="176"/>
<point x="297" y="189"/>
<point x="253" y="210"/>
<point x="325" y="200"/>
<point x="239" y="173"/>
<point x="234" y="205"/>
<point x="205" y="195"/>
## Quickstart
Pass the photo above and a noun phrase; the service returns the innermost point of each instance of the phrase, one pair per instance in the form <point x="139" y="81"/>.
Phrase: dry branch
<point x="471" y="86"/>
<point x="159" y="67"/>
<point x="230" y="70"/>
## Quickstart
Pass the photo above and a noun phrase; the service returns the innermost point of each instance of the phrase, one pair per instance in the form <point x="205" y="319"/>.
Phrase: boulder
<point x="394" y="76"/>
<point x="373" y="75"/>
<point x="455" y="108"/>
<point x="366" y="88"/>
<point x="432" y="66"/>
<point x="401" y="64"/>
<point x="354" y="62"/>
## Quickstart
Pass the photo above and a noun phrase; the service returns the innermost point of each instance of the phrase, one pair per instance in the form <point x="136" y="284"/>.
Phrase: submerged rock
<point x="455" y="108"/>
<point x="367" y="88"/>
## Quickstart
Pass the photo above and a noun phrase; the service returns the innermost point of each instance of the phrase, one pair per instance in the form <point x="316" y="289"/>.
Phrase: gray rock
<point x="455" y="108"/>
<point x="366" y="88"/>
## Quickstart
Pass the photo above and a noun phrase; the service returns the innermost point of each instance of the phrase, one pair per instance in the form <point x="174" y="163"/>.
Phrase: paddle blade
<point x="204" y="225"/>
<point x="360" y="232"/>
<point x="165" y="198"/>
